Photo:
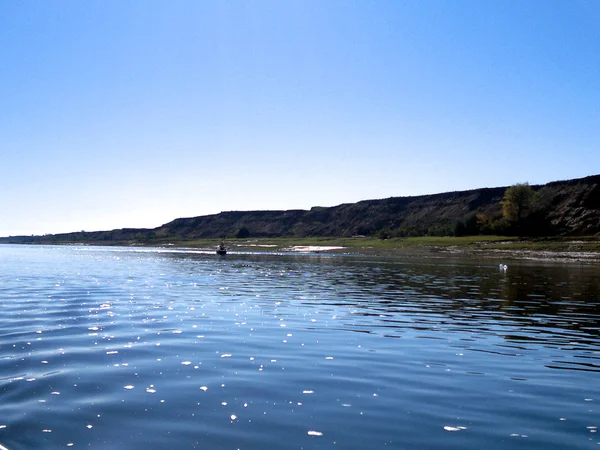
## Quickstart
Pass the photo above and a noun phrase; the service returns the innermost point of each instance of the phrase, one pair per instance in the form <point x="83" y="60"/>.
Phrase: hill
<point x="569" y="207"/>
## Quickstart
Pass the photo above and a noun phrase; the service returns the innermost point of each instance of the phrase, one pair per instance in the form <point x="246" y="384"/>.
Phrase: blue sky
<point x="133" y="113"/>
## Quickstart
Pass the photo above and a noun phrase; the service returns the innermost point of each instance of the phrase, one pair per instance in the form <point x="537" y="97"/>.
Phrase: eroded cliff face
<point x="562" y="208"/>
<point x="574" y="206"/>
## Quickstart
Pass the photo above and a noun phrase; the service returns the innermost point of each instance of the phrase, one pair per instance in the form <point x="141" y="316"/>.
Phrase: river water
<point x="120" y="348"/>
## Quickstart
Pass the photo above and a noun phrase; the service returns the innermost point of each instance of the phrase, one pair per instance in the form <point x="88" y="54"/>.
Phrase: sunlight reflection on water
<point x="115" y="348"/>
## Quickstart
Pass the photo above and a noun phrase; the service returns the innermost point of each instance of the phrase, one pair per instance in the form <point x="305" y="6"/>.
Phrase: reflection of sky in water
<point x="107" y="347"/>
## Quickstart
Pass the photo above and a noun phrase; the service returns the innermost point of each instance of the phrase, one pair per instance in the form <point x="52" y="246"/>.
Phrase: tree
<point x="467" y="226"/>
<point x="517" y="201"/>
<point x="384" y="233"/>
<point x="242" y="233"/>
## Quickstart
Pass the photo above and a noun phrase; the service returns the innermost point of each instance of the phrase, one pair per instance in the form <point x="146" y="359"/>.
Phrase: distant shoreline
<point x="581" y="249"/>
<point x="558" y="209"/>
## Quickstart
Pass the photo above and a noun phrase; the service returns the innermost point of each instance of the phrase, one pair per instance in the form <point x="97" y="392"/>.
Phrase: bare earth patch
<point x="313" y="248"/>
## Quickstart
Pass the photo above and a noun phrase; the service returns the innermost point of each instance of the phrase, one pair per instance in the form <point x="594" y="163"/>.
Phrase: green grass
<point x="373" y="245"/>
<point x="368" y="243"/>
<point x="425" y="243"/>
<point x="574" y="245"/>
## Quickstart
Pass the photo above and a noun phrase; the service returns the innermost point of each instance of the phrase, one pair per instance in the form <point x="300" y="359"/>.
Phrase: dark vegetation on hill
<point x="561" y="208"/>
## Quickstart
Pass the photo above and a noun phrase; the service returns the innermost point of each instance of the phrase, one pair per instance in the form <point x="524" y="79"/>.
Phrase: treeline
<point x="521" y="212"/>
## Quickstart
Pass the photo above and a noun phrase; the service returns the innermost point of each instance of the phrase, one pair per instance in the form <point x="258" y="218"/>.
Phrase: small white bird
<point x="503" y="267"/>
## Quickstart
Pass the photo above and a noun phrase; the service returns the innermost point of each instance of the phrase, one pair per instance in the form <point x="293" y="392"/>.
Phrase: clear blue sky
<point x="133" y="113"/>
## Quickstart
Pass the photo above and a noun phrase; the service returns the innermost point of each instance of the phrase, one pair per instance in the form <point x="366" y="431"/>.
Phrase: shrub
<point x="243" y="233"/>
<point x="384" y="233"/>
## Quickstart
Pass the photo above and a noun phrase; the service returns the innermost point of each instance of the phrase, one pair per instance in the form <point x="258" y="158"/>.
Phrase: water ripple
<point x="288" y="351"/>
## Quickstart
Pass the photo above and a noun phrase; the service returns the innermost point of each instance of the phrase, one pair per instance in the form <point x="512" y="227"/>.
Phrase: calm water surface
<point x="116" y="348"/>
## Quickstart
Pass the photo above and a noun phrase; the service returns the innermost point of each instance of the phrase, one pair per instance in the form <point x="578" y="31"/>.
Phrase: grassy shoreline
<point x="588" y="243"/>
<point x="586" y="248"/>
<point x="580" y="248"/>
